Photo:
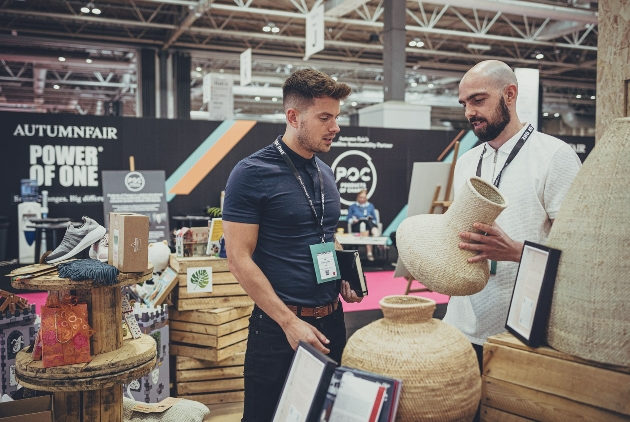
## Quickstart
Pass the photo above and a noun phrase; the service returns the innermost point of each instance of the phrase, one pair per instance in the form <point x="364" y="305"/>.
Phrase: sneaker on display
<point x="100" y="249"/>
<point x="76" y="239"/>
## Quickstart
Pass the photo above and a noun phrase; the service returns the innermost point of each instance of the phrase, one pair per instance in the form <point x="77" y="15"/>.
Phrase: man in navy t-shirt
<point x="281" y="204"/>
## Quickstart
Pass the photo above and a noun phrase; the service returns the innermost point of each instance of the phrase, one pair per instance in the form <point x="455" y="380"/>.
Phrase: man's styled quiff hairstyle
<point x="304" y="85"/>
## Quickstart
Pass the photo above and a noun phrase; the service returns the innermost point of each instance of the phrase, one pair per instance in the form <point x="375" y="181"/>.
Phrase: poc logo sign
<point x="354" y="171"/>
<point x="134" y="181"/>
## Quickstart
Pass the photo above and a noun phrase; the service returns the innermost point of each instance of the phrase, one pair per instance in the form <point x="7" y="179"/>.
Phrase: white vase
<point x="428" y="244"/>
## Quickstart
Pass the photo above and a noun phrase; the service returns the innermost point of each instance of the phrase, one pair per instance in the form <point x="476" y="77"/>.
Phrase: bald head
<point x="494" y="73"/>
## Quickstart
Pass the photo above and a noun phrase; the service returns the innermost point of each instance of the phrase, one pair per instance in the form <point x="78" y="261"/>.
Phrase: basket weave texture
<point x="436" y="363"/>
<point x="590" y="311"/>
<point x="428" y="244"/>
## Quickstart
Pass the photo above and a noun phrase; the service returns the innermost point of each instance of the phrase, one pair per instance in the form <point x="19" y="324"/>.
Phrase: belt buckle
<point x="318" y="309"/>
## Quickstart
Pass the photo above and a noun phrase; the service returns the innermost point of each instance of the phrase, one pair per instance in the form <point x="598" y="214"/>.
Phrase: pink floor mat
<point x="383" y="283"/>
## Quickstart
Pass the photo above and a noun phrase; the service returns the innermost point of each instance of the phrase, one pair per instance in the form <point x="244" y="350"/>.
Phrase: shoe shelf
<point x="90" y="391"/>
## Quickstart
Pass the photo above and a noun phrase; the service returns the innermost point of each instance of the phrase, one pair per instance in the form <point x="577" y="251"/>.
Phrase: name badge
<point x="493" y="267"/>
<point x="325" y="262"/>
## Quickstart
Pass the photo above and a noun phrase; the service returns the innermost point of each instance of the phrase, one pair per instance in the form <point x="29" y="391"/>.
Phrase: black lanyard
<point x="320" y="222"/>
<point x="513" y="153"/>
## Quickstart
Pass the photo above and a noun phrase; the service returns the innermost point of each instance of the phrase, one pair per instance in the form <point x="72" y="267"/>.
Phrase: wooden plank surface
<point x="208" y="340"/>
<point x="226" y="372"/>
<point x="211" y="386"/>
<point x="181" y="265"/>
<point x="214" y="330"/>
<point x="207" y="353"/>
<point x="67" y="406"/>
<point x="582" y="383"/>
<point x="507" y="339"/>
<point x="488" y="414"/>
<point x="183" y="363"/>
<point x="538" y="405"/>
<point x="213" y="302"/>
<point x="215" y="316"/>
<point x="91" y="404"/>
<point x="217" y="291"/>
<point x="229" y="397"/>
<point x="217" y="278"/>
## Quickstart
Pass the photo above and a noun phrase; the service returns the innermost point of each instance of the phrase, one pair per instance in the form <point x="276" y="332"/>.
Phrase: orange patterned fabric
<point x="65" y="333"/>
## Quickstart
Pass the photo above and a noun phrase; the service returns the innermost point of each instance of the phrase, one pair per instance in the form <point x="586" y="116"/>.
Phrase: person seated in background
<point x="363" y="212"/>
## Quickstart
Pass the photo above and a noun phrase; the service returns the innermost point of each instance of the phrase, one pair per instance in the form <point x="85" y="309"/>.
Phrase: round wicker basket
<point x="428" y="244"/>
<point x="436" y="363"/>
<point x="590" y="315"/>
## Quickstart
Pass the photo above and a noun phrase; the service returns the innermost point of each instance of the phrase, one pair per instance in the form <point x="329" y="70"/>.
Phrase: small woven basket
<point x="436" y="363"/>
<point x="428" y="244"/>
<point x="590" y="311"/>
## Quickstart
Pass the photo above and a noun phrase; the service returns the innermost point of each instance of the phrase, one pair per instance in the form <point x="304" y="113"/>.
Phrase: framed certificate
<point x="306" y="385"/>
<point x="533" y="290"/>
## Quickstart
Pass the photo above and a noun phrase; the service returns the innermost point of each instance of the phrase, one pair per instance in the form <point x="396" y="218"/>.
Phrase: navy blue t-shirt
<point x="263" y="190"/>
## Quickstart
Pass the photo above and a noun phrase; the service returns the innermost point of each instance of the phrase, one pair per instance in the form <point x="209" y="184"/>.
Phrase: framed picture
<point x="306" y="385"/>
<point x="533" y="290"/>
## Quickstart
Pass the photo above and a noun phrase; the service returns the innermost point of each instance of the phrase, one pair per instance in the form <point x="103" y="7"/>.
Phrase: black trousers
<point x="268" y="359"/>
<point x="369" y="225"/>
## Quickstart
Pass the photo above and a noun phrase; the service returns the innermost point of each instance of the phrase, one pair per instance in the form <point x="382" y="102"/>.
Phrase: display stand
<point x="91" y="391"/>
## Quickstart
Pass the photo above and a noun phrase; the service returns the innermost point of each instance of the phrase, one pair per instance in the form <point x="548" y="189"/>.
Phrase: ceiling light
<point x="266" y="28"/>
<point x="341" y="103"/>
<point x="275" y="29"/>
<point x="96" y="11"/>
<point x="274" y="99"/>
<point x="62" y="59"/>
<point x="290" y="66"/>
<point x="539" y="56"/>
<point x="56" y="86"/>
<point x="198" y="69"/>
<point x="334" y="78"/>
<point x="592" y="97"/>
<point x="354" y="104"/>
<point x="419" y="44"/>
<point x="556" y="114"/>
<point x="545" y="114"/>
<point x="430" y="85"/>
<point x="479" y="47"/>
<point x="85" y="9"/>
<point x="412" y="43"/>
<point x="414" y="84"/>
<point x="257" y="98"/>
<point x="88" y="61"/>
<point x="578" y="96"/>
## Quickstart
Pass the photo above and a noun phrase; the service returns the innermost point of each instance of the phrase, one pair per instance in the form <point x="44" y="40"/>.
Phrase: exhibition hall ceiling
<point x="77" y="55"/>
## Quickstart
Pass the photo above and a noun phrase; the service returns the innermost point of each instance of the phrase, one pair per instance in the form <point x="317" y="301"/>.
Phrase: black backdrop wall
<point x="66" y="154"/>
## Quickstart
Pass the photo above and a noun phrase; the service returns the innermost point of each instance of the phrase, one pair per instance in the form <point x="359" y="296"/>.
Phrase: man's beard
<point x="305" y="140"/>
<point x="493" y="128"/>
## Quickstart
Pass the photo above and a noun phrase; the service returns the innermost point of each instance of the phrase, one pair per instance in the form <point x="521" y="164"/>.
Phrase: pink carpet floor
<point x="383" y="283"/>
<point x="380" y="284"/>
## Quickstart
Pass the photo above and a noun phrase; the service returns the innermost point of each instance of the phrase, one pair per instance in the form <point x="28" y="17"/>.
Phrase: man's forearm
<point x="259" y="289"/>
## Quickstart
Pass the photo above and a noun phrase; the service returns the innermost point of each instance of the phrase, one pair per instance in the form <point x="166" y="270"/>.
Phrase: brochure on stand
<point x="350" y="270"/>
<point x="305" y="387"/>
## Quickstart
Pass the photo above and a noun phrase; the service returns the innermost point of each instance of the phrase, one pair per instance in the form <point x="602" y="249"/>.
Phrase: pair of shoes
<point x="76" y="239"/>
<point x="370" y="257"/>
<point x="100" y="249"/>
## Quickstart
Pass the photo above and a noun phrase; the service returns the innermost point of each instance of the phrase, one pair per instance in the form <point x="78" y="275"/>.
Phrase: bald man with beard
<point x="532" y="170"/>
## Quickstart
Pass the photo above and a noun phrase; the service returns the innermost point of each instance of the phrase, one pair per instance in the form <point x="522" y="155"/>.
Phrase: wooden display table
<point x="521" y="383"/>
<point x="90" y="391"/>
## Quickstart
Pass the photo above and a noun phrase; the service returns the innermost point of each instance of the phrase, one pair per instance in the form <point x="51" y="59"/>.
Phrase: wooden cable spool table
<point x="90" y="392"/>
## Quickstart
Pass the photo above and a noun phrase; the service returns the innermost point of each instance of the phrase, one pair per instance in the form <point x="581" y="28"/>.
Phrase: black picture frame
<point x="319" y="376"/>
<point x="533" y="290"/>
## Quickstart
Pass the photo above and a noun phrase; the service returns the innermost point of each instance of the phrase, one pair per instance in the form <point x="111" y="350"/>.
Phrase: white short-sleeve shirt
<point x="534" y="184"/>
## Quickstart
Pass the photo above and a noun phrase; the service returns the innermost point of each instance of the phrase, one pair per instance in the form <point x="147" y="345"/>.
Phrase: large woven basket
<point x="428" y="244"/>
<point x="436" y="363"/>
<point x="590" y="311"/>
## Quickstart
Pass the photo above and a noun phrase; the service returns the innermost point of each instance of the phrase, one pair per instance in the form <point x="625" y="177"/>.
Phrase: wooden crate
<point x="522" y="383"/>
<point x="207" y="353"/>
<point x="216" y="316"/>
<point x="181" y="265"/>
<point x="210" y="382"/>
<point x="212" y="303"/>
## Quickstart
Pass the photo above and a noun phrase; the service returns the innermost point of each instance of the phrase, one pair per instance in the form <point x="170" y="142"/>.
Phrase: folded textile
<point x="89" y="269"/>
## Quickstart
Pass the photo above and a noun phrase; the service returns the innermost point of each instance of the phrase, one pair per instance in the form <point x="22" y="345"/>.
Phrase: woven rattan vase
<point x="436" y="363"/>
<point x="428" y="244"/>
<point x="590" y="311"/>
